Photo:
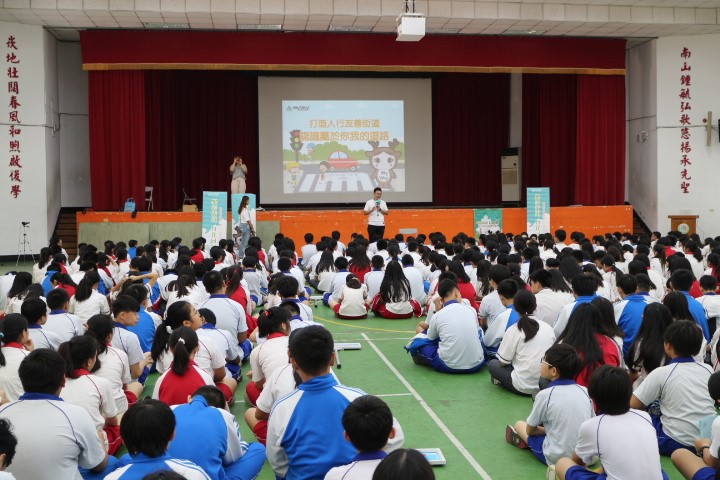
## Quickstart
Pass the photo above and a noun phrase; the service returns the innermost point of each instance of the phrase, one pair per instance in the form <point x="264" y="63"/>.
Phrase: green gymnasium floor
<point x="464" y="415"/>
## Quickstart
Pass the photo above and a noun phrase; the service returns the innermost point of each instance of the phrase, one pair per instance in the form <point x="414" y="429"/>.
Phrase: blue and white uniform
<point x="230" y="314"/>
<point x="629" y="316"/>
<point x="141" y="465"/>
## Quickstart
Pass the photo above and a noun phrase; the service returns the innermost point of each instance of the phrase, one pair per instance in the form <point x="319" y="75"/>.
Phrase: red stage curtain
<point x="117" y="138"/>
<point x="471" y="115"/>
<point x="549" y="131"/>
<point x="600" y="168"/>
<point x="197" y="121"/>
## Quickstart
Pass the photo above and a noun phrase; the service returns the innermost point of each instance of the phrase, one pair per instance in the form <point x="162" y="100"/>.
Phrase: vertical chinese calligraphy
<point x="685" y="123"/>
<point x="12" y="63"/>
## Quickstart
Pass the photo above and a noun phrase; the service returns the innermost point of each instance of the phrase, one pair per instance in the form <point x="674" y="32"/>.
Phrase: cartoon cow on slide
<point x="383" y="160"/>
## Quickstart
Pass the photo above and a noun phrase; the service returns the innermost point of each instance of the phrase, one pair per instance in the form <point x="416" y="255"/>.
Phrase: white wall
<point x="705" y="168"/>
<point x="52" y="136"/>
<point x="36" y="192"/>
<point x="642" y="172"/>
<point x="74" y="138"/>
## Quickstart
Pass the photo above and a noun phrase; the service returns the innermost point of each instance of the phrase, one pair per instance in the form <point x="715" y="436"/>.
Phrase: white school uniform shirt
<point x="256" y="282"/>
<point x="94" y="394"/>
<point x="43" y="338"/>
<point x="659" y="281"/>
<point x="358" y="470"/>
<point x="278" y="384"/>
<point x="115" y="368"/>
<point x="230" y="314"/>
<point x="312" y="262"/>
<point x="684" y="398"/>
<point x="128" y="342"/>
<point x="491" y="306"/>
<point x="561" y="407"/>
<point x="373" y="280"/>
<point x="545" y="254"/>
<point x="337" y="284"/>
<point x="6" y="282"/>
<point x="307" y="251"/>
<point x="196" y="296"/>
<point x="376" y="217"/>
<point x="525" y="356"/>
<point x="268" y="357"/>
<point x="324" y="280"/>
<point x="626" y="444"/>
<point x="697" y="267"/>
<point x="64" y="325"/>
<point x="353" y="301"/>
<point x="657" y="266"/>
<point x="711" y="304"/>
<point x="66" y="431"/>
<point x="549" y="304"/>
<point x="9" y="377"/>
<point x="417" y="287"/>
<point x="224" y="341"/>
<point x="97" y="303"/>
<point x="457" y="328"/>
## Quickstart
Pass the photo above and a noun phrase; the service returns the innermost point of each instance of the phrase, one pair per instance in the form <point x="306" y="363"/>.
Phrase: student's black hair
<point x="685" y="337"/>
<point x="272" y="320"/>
<point x="714" y="386"/>
<point x="292" y="307"/>
<point x="208" y="315"/>
<point x="610" y="388"/>
<point x="76" y="352"/>
<point x="284" y="264"/>
<point x="395" y="287"/>
<point x="137" y="291"/>
<point x="368" y="421"/>
<point x="404" y="464"/>
<point x="459" y="269"/>
<point x="584" y="285"/>
<point x="607" y="324"/>
<point x="565" y="359"/>
<point x="8" y="441"/>
<point x="352" y="281"/>
<point x="627" y="284"/>
<point x="326" y="263"/>
<point x="569" y="268"/>
<point x="647" y="351"/>
<point x="580" y="333"/>
<point x="407" y="260"/>
<point x="175" y="315"/>
<point x="84" y="288"/>
<point x="12" y="327"/>
<point x="182" y="342"/>
<point x="100" y="327"/>
<point x="543" y="277"/>
<point x="148" y="427"/>
<point x="33" y="309"/>
<point x="377" y="261"/>
<point x="525" y="304"/>
<point x="21" y="281"/>
<point x="125" y="303"/>
<point x="341" y="263"/>
<point x="287" y="286"/>
<point x="446" y="287"/>
<point x="678" y="305"/>
<point x="507" y="288"/>
<point x="42" y="371"/>
<point x="312" y="349"/>
<point x="498" y="273"/>
<point x="213" y="282"/>
<point x="707" y="282"/>
<point x="682" y="280"/>
<point x="214" y="396"/>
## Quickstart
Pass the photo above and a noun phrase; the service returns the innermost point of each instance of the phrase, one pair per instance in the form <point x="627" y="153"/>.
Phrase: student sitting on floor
<point x="368" y="424"/>
<point x="268" y="356"/>
<point x="704" y="464"/>
<point x="622" y="437"/>
<point x="35" y="312"/>
<point x="351" y="302"/>
<point x="517" y="364"/>
<point x="148" y="428"/>
<point x="558" y="410"/>
<point x="208" y="435"/>
<point x="394" y="300"/>
<point x="8" y="445"/>
<point x="451" y="342"/>
<point x="506" y="290"/>
<point x="404" y="464"/>
<point x="16" y="345"/>
<point x="287" y="291"/>
<point x="680" y="386"/>
<point x="184" y="376"/>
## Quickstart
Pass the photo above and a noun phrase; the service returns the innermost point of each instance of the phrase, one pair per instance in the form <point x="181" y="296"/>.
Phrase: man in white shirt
<point x="376" y="209"/>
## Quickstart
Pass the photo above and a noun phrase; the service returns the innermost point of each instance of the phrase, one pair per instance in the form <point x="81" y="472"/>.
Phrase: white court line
<point x="394" y="395"/>
<point x="453" y="439"/>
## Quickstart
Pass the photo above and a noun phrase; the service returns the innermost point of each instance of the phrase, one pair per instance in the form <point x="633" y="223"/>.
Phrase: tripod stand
<point x="23" y="243"/>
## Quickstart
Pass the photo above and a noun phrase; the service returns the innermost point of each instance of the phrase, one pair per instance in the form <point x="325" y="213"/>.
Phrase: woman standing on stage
<point x="238" y="170"/>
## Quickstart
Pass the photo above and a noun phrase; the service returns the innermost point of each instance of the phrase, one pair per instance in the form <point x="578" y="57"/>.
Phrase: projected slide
<point x="343" y="146"/>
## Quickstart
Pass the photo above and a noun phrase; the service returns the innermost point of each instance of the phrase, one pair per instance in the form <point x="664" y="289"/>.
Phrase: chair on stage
<point x="189" y="202"/>
<point x="149" y="197"/>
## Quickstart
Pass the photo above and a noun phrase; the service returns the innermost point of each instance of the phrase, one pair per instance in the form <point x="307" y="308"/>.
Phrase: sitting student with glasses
<point x="552" y="428"/>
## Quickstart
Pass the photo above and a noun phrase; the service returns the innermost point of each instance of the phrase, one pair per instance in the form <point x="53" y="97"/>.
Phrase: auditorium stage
<point x="96" y="227"/>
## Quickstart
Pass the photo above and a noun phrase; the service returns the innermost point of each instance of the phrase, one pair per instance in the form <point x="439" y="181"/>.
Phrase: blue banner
<point x="538" y="210"/>
<point x="214" y="218"/>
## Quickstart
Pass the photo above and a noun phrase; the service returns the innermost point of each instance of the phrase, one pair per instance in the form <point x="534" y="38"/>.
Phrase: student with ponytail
<point x="274" y="327"/>
<point x="87" y="301"/>
<point x="517" y="366"/>
<point x="112" y="363"/>
<point x="16" y="345"/>
<point x="89" y="391"/>
<point x="210" y="358"/>
<point x="184" y="376"/>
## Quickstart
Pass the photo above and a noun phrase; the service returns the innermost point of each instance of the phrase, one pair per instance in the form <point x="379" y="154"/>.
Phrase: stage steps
<point x="639" y="226"/>
<point x="66" y="229"/>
